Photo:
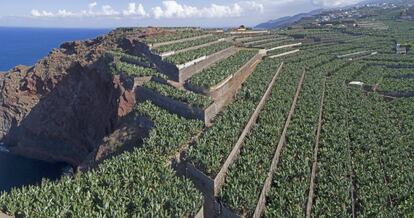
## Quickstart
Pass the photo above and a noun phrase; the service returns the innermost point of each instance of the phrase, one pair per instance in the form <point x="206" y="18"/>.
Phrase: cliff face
<point x="61" y="109"/>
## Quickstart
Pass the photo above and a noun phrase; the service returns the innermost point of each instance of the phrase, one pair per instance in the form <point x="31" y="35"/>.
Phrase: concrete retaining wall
<point x="231" y="83"/>
<point x="188" y="72"/>
<point x="253" y="32"/>
<point x="260" y="41"/>
<point x="173" y="106"/>
<point x="139" y="81"/>
<point x="285" y="53"/>
<point x="284" y="46"/>
<point x="181" y="108"/>
<point x="191" y="48"/>
<point x="181" y="75"/>
<point x="203" y="182"/>
<point x="172" y="71"/>
<point x="140" y="48"/>
<point x="2" y="215"/>
<point x="200" y="213"/>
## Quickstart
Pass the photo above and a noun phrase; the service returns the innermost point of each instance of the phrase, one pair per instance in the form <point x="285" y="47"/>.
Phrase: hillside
<point x="188" y="122"/>
<point x="398" y="2"/>
<point x="285" y="21"/>
<point x="410" y="11"/>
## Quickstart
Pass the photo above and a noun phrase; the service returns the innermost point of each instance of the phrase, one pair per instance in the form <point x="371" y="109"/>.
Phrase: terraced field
<point x="291" y="138"/>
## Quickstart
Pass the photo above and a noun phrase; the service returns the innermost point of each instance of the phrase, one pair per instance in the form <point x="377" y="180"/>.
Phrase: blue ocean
<point x="25" y="46"/>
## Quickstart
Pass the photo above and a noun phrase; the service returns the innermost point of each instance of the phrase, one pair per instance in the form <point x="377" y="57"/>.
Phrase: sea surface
<point x="25" y="46"/>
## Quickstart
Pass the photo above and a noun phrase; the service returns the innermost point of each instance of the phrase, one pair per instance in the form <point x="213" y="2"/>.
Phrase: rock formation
<point x="62" y="108"/>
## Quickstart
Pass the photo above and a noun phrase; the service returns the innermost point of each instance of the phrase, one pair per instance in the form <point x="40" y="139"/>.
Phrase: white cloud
<point x="334" y="3"/>
<point x="254" y="5"/>
<point x="173" y="9"/>
<point x="223" y="11"/>
<point x="168" y="9"/>
<point x="135" y="10"/>
<point x="92" y="5"/>
<point x="107" y="10"/>
<point x="158" y="12"/>
<point x="37" y="13"/>
<point x="64" y="13"/>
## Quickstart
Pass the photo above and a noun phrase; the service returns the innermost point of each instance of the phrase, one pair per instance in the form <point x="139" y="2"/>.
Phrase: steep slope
<point x="410" y="11"/>
<point x="284" y="21"/>
<point x="60" y="109"/>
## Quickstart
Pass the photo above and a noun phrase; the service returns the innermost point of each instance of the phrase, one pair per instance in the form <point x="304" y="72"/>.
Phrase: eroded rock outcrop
<point x="62" y="108"/>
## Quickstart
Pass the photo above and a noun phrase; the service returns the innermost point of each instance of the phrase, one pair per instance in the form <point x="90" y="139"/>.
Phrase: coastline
<point x="26" y="45"/>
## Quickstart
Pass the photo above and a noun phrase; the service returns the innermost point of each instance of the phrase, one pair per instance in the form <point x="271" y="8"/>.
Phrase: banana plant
<point x="173" y="35"/>
<point x="223" y="69"/>
<point x="135" y="70"/>
<point x="215" y="144"/>
<point x="250" y="170"/>
<point x="182" y="58"/>
<point x="185" y="45"/>
<point x="191" y="98"/>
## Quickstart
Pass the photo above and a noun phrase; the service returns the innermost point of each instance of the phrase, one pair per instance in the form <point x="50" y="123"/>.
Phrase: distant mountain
<point x="284" y="21"/>
<point x="410" y="11"/>
<point x="398" y="2"/>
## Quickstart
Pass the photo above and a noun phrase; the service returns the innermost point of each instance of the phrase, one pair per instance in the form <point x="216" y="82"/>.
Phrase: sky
<point x="115" y="13"/>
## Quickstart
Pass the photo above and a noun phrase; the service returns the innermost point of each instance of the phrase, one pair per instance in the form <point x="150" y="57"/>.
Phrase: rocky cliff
<point x="64" y="107"/>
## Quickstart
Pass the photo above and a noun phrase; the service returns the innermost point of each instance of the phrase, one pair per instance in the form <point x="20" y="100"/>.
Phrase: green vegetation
<point x="273" y="43"/>
<point x="132" y="184"/>
<point x="223" y="69"/>
<point x="185" y="45"/>
<point x="365" y="157"/>
<point x="162" y="141"/>
<point x="213" y="147"/>
<point x="248" y="39"/>
<point x="131" y="59"/>
<point x="292" y="178"/>
<point x="281" y="51"/>
<point x="152" y="190"/>
<point x="260" y="42"/>
<point x="174" y="35"/>
<point x="334" y="169"/>
<point x="369" y="75"/>
<point x="182" y="58"/>
<point x="136" y="71"/>
<point x="246" y="177"/>
<point x="397" y="85"/>
<point x="192" y="98"/>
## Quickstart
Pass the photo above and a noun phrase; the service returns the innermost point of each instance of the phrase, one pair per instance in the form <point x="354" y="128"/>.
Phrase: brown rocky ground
<point x="68" y="107"/>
